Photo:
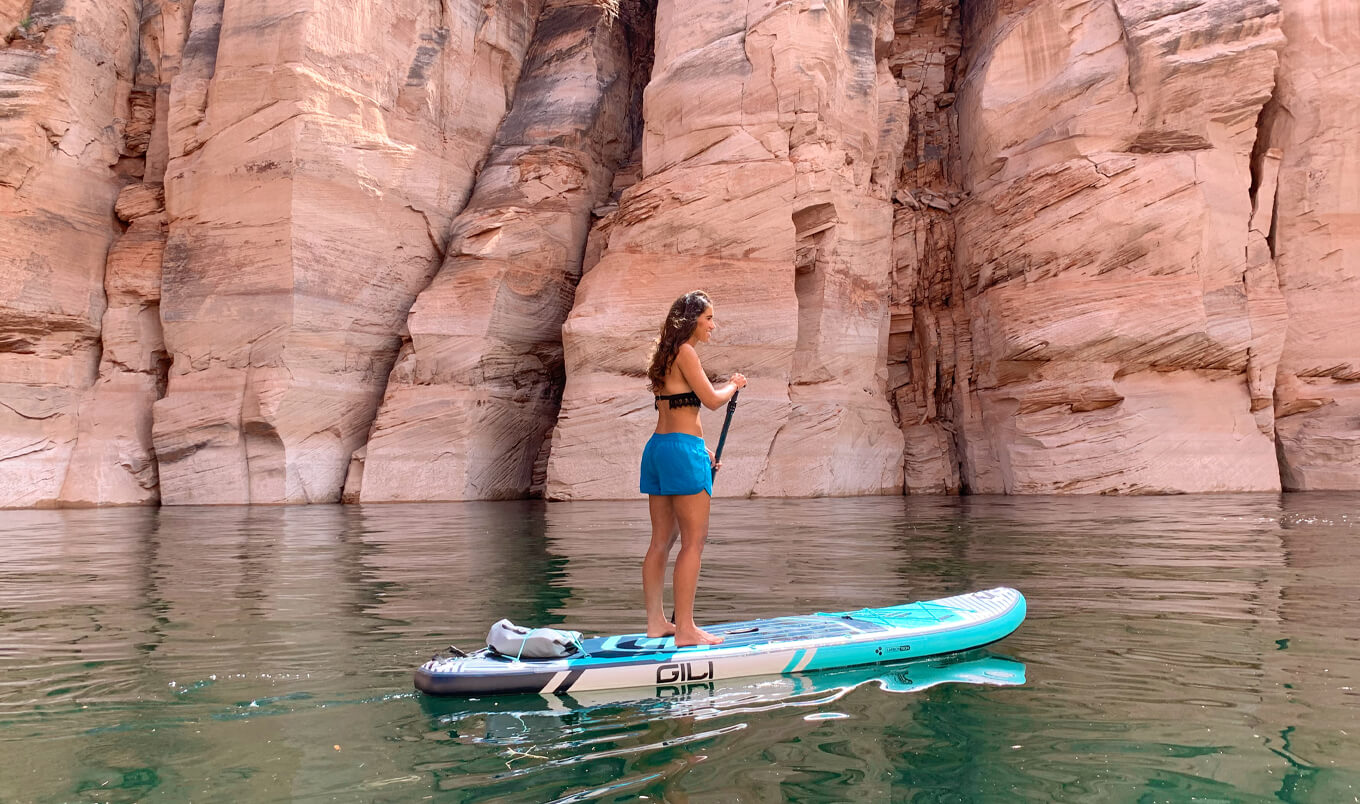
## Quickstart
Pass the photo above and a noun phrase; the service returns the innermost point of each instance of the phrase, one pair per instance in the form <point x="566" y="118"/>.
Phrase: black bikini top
<point x="688" y="399"/>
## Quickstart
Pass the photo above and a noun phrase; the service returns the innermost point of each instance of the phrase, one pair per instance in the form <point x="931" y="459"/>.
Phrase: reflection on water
<point x="714" y="698"/>
<point x="1176" y="648"/>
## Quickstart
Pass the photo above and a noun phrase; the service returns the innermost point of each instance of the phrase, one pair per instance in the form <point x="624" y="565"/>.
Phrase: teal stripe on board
<point x="907" y="647"/>
<point x="797" y="657"/>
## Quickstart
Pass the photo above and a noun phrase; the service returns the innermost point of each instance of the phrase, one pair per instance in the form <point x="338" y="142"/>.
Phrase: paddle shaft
<point x="727" y="422"/>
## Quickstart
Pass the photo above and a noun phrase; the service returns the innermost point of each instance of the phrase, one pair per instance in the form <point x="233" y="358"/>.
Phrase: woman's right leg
<point x="664" y="528"/>
<point x="692" y="512"/>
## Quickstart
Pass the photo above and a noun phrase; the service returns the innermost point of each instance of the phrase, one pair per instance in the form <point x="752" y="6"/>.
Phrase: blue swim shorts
<point x="675" y="464"/>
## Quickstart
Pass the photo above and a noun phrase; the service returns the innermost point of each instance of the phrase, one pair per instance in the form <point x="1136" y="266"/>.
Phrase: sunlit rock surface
<point x="477" y="387"/>
<point x="1314" y="123"/>
<point x="65" y="75"/>
<point x="1102" y="249"/>
<point x="316" y="159"/>
<point x="762" y="124"/>
<point x="263" y="252"/>
<point x="114" y="461"/>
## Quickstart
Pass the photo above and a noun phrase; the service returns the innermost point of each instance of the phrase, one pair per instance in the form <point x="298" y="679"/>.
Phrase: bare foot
<point x="686" y="637"/>
<point x="664" y="629"/>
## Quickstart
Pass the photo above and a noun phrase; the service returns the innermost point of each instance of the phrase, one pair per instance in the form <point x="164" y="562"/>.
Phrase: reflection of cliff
<point x="255" y="254"/>
<point x="222" y="633"/>
<point x="1315" y="684"/>
<point x="153" y="620"/>
<point x="1147" y="627"/>
<point x="447" y="572"/>
<point x="744" y="559"/>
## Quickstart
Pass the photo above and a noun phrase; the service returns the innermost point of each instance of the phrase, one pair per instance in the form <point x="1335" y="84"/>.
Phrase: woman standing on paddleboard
<point x="677" y="468"/>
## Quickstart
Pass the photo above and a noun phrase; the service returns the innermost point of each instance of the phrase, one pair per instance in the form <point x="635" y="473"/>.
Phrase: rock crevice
<point x="483" y="369"/>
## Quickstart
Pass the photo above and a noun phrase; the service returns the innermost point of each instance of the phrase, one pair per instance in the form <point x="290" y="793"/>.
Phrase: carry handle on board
<point x="722" y="438"/>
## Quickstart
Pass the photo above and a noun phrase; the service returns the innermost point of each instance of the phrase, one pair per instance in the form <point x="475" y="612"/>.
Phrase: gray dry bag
<point x="519" y="642"/>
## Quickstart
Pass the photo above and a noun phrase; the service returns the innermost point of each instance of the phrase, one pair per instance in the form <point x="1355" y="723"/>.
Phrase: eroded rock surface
<point x="1004" y="246"/>
<point x="114" y="461"/>
<point x="927" y="40"/>
<point x="762" y="126"/>
<point x="1314" y="123"/>
<point x="315" y="162"/>
<point x="65" y="75"/>
<point x="477" y="388"/>
<point x="1102" y="249"/>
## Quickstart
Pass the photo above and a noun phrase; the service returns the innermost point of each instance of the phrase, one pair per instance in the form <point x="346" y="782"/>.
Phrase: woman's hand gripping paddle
<point x="722" y="438"/>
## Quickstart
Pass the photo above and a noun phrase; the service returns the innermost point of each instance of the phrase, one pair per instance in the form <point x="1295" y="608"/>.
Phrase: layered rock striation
<point x="316" y="160"/>
<point x="1112" y="317"/>
<point x="66" y="70"/>
<point x="114" y="460"/>
<point x="924" y="168"/>
<point x="476" y="390"/>
<point x="757" y="184"/>
<point x="1309" y="157"/>
<point x="278" y="252"/>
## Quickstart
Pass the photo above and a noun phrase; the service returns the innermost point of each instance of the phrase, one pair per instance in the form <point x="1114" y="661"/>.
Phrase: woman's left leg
<point x="665" y="529"/>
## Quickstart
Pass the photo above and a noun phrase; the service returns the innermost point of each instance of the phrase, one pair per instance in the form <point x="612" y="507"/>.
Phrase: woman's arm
<point x="693" y="372"/>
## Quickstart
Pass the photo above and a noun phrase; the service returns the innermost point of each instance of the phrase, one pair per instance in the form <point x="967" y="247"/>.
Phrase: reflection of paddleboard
<point x="518" y="717"/>
<point x="756" y="647"/>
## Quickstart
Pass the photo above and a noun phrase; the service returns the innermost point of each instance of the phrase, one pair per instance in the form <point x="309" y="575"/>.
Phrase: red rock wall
<point x="1313" y="121"/>
<point x="114" y="460"/>
<point x="762" y="129"/>
<point x="66" y="69"/>
<point x="1102" y="248"/>
<point x="476" y="390"/>
<point x="318" y="152"/>
<point x="284" y="250"/>
<point x="927" y="41"/>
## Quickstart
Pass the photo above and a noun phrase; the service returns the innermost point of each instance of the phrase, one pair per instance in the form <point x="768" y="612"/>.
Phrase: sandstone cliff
<point x="65" y="85"/>
<point x="1111" y="358"/>
<point x="282" y="252"/>
<point x="762" y="127"/>
<point x="1312" y="122"/>
<point x="477" y="388"/>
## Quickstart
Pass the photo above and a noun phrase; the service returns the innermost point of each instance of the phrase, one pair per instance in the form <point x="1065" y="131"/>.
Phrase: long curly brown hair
<point x="675" y="330"/>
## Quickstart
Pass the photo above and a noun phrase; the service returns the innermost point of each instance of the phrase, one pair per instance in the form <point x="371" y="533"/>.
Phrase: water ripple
<point x="1177" y="648"/>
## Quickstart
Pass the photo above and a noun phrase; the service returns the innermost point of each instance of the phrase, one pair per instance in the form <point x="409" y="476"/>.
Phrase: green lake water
<point x="1196" y="648"/>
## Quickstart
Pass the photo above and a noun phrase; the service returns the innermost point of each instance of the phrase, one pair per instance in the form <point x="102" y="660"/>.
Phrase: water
<point x="1177" y="649"/>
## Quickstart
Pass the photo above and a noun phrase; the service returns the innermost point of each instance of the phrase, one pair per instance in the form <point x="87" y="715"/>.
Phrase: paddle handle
<point x="727" y="422"/>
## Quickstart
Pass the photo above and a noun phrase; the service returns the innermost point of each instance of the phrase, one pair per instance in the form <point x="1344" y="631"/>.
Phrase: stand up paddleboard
<point x="753" y="648"/>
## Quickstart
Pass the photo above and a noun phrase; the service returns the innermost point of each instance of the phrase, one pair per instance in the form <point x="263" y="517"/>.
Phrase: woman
<point x="677" y="469"/>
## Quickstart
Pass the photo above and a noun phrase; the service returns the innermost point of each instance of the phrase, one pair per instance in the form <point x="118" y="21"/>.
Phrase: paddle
<point x="722" y="438"/>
